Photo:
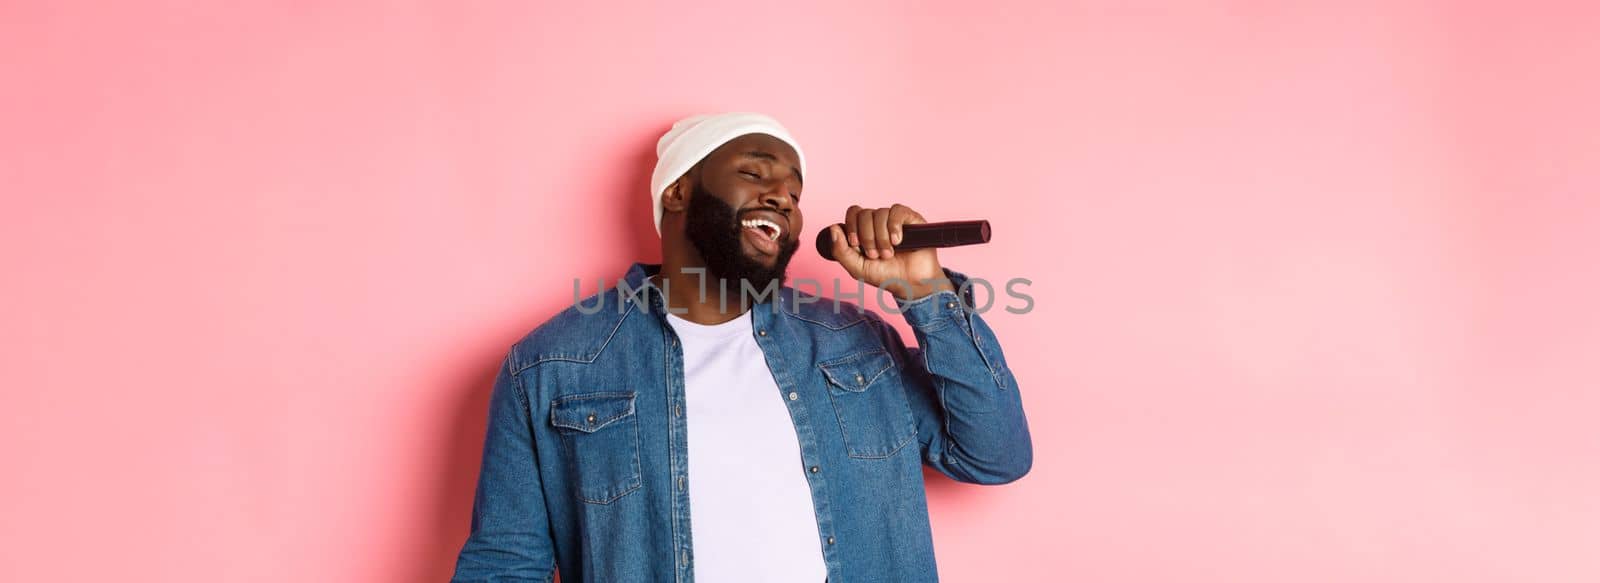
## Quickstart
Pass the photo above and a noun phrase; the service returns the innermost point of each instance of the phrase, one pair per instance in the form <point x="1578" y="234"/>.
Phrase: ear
<point x="676" y="197"/>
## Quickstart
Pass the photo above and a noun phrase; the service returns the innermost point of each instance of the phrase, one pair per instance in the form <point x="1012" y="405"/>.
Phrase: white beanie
<point x="695" y="137"/>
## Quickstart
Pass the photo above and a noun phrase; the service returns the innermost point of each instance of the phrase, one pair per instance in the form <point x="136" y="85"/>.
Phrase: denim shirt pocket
<point x="600" y="436"/>
<point x="870" y="403"/>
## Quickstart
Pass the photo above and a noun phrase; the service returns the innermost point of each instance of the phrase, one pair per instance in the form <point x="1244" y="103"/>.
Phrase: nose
<point x="778" y="198"/>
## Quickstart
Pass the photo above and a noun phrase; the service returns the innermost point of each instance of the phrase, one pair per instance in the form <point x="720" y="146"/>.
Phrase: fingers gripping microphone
<point x="922" y="236"/>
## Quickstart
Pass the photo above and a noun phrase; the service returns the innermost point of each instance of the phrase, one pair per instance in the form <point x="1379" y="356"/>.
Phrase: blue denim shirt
<point x="584" y="465"/>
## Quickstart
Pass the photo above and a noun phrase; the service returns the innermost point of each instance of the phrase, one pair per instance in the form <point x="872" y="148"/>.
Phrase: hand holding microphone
<point x="893" y="248"/>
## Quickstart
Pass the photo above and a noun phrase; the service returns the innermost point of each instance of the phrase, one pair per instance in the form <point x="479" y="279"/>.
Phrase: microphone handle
<point x="945" y="234"/>
<point x="922" y="236"/>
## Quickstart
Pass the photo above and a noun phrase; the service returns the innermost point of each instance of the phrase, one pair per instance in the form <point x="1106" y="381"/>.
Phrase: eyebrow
<point x="768" y="156"/>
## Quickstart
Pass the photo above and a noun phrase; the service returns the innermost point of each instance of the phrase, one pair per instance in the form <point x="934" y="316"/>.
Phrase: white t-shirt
<point x="750" y="511"/>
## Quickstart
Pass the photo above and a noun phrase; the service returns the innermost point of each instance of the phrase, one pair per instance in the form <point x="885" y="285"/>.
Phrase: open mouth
<point x="768" y="228"/>
<point x="763" y="235"/>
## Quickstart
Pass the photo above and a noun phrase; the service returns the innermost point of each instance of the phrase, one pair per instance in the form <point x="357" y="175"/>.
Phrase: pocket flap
<point x="857" y="371"/>
<point x="590" y="412"/>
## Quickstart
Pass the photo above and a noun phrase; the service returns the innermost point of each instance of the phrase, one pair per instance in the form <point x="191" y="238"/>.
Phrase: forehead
<point x="738" y="147"/>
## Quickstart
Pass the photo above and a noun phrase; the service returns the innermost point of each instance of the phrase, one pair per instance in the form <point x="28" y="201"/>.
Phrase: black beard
<point x="714" y="230"/>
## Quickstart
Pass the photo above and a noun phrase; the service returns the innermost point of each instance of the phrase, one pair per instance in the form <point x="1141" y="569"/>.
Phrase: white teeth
<point x="756" y="223"/>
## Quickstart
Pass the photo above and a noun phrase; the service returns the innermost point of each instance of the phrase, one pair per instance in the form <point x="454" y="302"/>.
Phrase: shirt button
<point x="678" y="410"/>
<point x="815" y="469"/>
<point x="859" y="378"/>
<point x="950" y="305"/>
<point x="591" y="418"/>
<point x="793" y="395"/>
<point x="830" y="540"/>
<point x="762" y="332"/>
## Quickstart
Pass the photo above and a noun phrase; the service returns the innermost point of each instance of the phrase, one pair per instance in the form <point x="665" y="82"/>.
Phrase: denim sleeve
<point x="970" y="424"/>
<point x="510" y="538"/>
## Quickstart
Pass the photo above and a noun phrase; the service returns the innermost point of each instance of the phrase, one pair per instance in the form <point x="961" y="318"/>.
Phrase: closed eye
<point x="755" y="176"/>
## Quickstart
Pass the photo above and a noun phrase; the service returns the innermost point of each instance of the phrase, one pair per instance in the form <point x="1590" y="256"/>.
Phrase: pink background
<point x="1315" y="285"/>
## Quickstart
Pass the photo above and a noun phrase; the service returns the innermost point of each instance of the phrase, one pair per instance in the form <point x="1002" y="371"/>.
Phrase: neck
<point x="696" y="295"/>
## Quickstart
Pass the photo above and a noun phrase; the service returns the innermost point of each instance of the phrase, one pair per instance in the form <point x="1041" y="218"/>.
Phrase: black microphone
<point x="922" y="236"/>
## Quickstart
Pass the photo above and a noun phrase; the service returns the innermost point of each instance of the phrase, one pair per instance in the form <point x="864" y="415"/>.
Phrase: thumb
<point x="843" y="253"/>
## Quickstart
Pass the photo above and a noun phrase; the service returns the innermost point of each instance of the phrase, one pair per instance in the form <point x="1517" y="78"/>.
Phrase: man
<point x="684" y="426"/>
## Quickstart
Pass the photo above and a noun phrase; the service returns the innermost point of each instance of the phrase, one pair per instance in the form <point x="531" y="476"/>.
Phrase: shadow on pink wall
<point x="455" y="476"/>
